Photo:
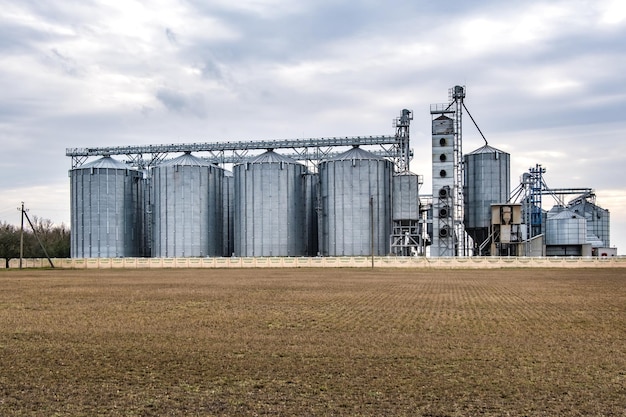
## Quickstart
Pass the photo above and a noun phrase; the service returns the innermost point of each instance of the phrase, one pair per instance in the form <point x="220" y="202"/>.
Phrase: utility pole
<point x="372" y="228"/>
<point x="32" y="226"/>
<point x="22" y="235"/>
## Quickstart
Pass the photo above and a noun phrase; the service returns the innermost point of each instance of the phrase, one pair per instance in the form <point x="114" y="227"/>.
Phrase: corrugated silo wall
<point x="311" y="185"/>
<point x="598" y="220"/>
<point x="487" y="182"/>
<point x="566" y="231"/>
<point x="269" y="209"/>
<point x="229" y="213"/>
<point x="187" y="211"/>
<point x="105" y="213"/>
<point x="146" y="216"/>
<point x="346" y="188"/>
<point x="405" y="198"/>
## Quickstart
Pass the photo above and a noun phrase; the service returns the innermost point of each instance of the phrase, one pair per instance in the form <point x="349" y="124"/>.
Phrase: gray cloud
<point x="178" y="102"/>
<point x="63" y="63"/>
<point x="171" y="36"/>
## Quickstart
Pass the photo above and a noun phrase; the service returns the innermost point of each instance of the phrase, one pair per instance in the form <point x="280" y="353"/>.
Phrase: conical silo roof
<point x="104" y="162"/>
<point x="186" y="159"/>
<point x="356" y="153"/>
<point x="486" y="149"/>
<point x="562" y="214"/>
<point x="271" y="157"/>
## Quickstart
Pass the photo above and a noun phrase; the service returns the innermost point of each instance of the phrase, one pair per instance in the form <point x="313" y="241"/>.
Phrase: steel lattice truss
<point x="312" y="150"/>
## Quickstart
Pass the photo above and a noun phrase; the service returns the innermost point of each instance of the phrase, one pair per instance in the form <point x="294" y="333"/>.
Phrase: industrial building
<point x="349" y="196"/>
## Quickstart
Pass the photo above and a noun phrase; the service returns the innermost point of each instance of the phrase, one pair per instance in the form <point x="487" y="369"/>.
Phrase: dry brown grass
<point x="313" y="342"/>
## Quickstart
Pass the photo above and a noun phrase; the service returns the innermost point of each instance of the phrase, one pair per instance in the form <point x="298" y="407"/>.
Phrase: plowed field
<point x="313" y="342"/>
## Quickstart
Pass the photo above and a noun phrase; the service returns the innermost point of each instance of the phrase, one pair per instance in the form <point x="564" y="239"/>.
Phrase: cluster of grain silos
<point x="355" y="203"/>
<point x="269" y="205"/>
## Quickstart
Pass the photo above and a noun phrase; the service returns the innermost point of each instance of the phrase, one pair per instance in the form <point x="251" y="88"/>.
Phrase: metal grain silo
<point x="105" y="210"/>
<point x="565" y="228"/>
<point x="487" y="181"/>
<point x="405" y="239"/>
<point x="269" y="218"/>
<point x="566" y="233"/>
<point x="187" y="208"/>
<point x="355" y="190"/>
<point x="598" y="219"/>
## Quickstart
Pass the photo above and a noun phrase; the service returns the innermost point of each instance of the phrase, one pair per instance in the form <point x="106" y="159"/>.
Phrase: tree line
<point x="55" y="238"/>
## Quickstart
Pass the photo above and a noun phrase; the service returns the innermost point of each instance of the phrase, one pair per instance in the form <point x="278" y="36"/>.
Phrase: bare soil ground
<point x="313" y="342"/>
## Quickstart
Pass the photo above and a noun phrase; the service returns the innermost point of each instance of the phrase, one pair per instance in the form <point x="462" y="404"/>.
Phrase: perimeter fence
<point x="325" y="262"/>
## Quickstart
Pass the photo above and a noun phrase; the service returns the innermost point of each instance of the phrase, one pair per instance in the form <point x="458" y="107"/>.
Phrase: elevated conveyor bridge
<point x="395" y="147"/>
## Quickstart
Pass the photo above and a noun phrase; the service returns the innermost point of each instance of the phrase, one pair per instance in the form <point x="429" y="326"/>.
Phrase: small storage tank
<point x="405" y="214"/>
<point x="347" y="184"/>
<point x="105" y="210"/>
<point x="406" y="197"/>
<point x="187" y="208"/>
<point x="565" y="228"/>
<point x="487" y="181"/>
<point x="269" y="206"/>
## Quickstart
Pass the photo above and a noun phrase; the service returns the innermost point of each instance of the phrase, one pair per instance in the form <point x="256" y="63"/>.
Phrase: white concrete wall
<point x="328" y="262"/>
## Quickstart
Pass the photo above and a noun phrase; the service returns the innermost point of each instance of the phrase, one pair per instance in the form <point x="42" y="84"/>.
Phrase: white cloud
<point x="265" y="8"/>
<point x="50" y="201"/>
<point x="612" y="12"/>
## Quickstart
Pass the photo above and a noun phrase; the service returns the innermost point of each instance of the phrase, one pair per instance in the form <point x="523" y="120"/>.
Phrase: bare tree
<point x="55" y="238"/>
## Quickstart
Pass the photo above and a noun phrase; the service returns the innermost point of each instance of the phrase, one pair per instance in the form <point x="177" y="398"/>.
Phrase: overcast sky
<point x="546" y="82"/>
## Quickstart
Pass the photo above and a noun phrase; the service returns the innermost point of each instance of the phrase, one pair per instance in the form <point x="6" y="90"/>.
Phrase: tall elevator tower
<point x="448" y="234"/>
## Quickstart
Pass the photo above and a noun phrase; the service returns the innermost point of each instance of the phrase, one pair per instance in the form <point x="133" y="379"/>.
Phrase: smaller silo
<point x="405" y="239"/>
<point x="406" y="196"/>
<point x="269" y="206"/>
<point x="105" y="210"/>
<point x="187" y="208"/>
<point x="565" y="228"/>
<point x="355" y="190"/>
